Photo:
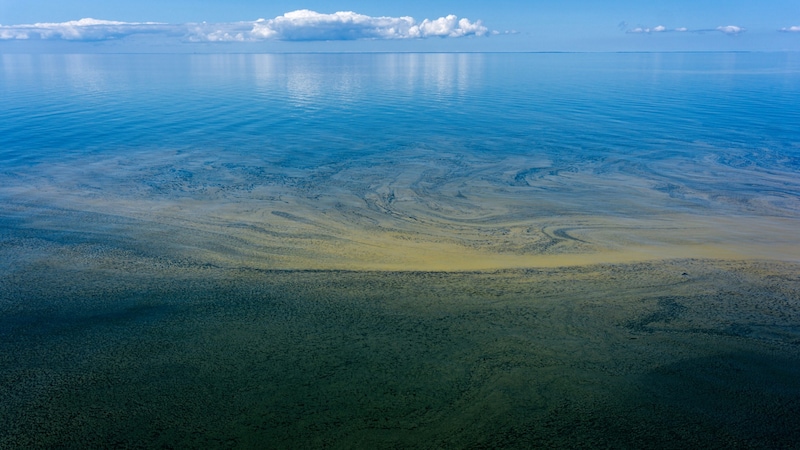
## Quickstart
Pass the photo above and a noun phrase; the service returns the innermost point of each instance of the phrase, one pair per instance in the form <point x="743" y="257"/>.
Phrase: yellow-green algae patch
<point x="415" y="208"/>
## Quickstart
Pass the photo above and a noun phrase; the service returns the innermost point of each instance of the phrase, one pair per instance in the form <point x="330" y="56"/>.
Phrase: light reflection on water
<point x="556" y="99"/>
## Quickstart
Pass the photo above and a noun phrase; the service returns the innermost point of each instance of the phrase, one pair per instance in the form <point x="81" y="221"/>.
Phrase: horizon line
<point x="407" y="52"/>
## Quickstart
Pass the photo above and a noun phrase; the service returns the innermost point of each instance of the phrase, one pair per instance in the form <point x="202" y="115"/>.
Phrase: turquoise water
<point x="417" y="250"/>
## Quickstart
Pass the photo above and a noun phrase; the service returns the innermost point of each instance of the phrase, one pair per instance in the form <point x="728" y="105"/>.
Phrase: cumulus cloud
<point x="306" y="25"/>
<point x="730" y="29"/>
<point x="300" y="25"/>
<point x="81" y="30"/>
<point x="793" y="29"/>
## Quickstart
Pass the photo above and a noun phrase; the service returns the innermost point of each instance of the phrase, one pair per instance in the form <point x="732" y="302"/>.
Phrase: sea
<point x="417" y="250"/>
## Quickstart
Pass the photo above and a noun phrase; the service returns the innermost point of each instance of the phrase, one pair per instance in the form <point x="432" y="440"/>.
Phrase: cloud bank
<point x="728" y="29"/>
<point x="300" y="25"/>
<point x="305" y="25"/>
<point x="81" y="30"/>
<point x="794" y="29"/>
<point x="656" y="29"/>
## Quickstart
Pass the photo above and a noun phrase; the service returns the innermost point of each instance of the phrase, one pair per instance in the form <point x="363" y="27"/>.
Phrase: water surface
<point x="406" y="161"/>
<point x="417" y="250"/>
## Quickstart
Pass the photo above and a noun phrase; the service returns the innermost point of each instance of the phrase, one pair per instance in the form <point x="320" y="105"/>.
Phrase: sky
<point x="221" y="26"/>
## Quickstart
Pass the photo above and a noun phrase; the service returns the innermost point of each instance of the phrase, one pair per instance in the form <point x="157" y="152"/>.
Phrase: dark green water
<point x="674" y="355"/>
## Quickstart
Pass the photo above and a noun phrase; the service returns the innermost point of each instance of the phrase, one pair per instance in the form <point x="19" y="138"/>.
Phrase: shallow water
<point x="400" y="250"/>
<point x="133" y="352"/>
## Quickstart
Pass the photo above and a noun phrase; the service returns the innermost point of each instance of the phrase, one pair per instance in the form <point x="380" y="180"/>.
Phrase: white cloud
<point x="305" y="25"/>
<point x="300" y="25"/>
<point x="81" y="30"/>
<point x="730" y="29"/>
<point x="447" y="27"/>
<point x="793" y="29"/>
<point x="218" y="32"/>
<point x="656" y="29"/>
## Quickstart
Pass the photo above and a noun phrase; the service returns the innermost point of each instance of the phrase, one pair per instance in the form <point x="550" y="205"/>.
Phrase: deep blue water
<point x="332" y="105"/>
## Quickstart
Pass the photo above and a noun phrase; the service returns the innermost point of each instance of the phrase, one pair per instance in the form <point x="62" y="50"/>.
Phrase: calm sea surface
<point x="417" y="250"/>
<point x="414" y="161"/>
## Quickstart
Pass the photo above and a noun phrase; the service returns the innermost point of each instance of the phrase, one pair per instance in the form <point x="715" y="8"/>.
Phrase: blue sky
<point x="411" y="25"/>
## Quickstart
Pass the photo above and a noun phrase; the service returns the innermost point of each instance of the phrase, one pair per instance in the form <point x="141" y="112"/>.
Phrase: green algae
<point x="668" y="354"/>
